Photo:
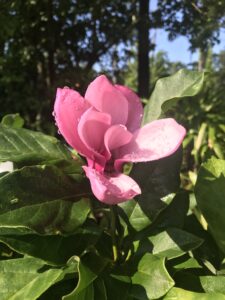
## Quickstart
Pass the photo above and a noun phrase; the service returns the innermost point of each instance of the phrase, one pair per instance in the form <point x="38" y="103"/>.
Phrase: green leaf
<point x="58" y="290"/>
<point x="34" y="185"/>
<point x="157" y="180"/>
<point x="13" y="120"/>
<point x="135" y="216"/>
<point x="169" y="90"/>
<point x="55" y="217"/>
<point x="183" y="263"/>
<point x="89" y="268"/>
<point x="100" y="290"/>
<point x="152" y="277"/>
<point x="209" y="192"/>
<point x="213" y="284"/>
<point x="55" y="249"/>
<point x="178" y="294"/>
<point x="41" y="198"/>
<point x="167" y="218"/>
<point x="86" y="294"/>
<point x="27" y="278"/>
<point x="173" y="243"/>
<point x="117" y="287"/>
<point x="27" y="147"/>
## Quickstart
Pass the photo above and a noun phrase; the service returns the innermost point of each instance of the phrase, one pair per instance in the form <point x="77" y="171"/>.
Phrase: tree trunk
<point x="143" y="49"/>
<point x="202" y="59"/>
<point x="51" y="50"/>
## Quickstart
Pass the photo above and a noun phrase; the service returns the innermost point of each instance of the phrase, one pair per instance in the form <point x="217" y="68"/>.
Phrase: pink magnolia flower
<point x="104" y="127"/>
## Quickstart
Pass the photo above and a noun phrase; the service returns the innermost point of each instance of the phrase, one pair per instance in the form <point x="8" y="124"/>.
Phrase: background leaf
<point x="168" y="90"/>
<point x="36" y="278"/>
<point x="210" y="192"/>
<point x="13" y="120"/>
<point x="89" y="268"/>
<point x="153" y="277"/>
<point x="173" y="243"/>
<point x="177" y="294"/>
<point x="27" y="147"/>
<point x="54" y="249"/>
<point x="42" y="199"/>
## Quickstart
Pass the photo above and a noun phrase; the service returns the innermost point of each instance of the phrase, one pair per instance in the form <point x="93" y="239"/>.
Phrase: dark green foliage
<point x="46" y="44"/>
<point x="58" y="242"/>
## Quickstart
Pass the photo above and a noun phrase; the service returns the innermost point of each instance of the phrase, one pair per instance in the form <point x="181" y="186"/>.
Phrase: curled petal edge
<point x="112" y="189"/>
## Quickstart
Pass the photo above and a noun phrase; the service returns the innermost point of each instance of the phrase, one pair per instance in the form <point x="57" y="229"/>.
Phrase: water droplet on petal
<point x="53" y="113"/>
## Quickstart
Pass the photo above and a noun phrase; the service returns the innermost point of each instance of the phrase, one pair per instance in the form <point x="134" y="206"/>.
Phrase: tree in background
<point x="200" y="21"/>
<point x="159" y="66"/>
<point x="45" y="44"/>
<point x="143" y="48"/>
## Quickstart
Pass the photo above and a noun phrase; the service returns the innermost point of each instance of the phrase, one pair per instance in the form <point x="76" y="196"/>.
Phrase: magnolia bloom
<point x="104" y="127"/>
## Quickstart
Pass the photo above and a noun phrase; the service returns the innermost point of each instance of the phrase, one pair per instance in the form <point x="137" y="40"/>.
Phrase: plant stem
<point x="113" y="232"/>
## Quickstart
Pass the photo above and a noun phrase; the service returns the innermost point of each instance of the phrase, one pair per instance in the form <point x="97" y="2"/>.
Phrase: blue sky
<point x="178" y="50"/>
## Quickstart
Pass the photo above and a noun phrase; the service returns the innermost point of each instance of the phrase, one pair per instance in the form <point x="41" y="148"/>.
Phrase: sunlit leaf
<point x="89" y="267"/>
<point x="151" y="278"/>
<point x="178" y="294"/>
<point x="27" y="278"/>
<point x="169" y="90"/>
<point x="43" y="199"/>
<point x="173" y="243"/>
<point x="13" y="120"/>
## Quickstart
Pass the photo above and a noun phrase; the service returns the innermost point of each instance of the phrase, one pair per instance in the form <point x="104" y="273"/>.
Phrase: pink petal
<point x="68" y="108"/>
<point x="112" y="189"/>
<point x="106" y="98"/>
<point x="135" y="108"/>
<point x="155" y="140"/>
<point x="115" y="137"/>
<point x="91" y="129"/>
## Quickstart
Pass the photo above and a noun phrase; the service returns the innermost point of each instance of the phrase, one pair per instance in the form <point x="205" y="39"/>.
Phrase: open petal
<point x="155" y="140"/>
<point x="68" y="108"/>
<point x="115" y="137"/>
<point x="91" y="129"/>
<point x="135" y="108"/>
<point x="106" y="98"/>
<point x="112" y="189"/>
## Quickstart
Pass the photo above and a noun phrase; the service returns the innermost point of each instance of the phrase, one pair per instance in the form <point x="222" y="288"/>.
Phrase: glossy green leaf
<point x="178" y="294"/>
<point x="135" y="216"/>
<point x="55" y="217"/>
<point x="183" y="263"/>
<point x="41" y="198"/>
<point x="173" y="243"/>
<point x="151" y="279"/>
<point x="169" y="90"/>
<point x="29" y="147"/>
<point x="89" y="268"/>
<point x="54" y="249"/>
<point x="210" y="192"/>
<point x="34" y="185"/>
<point x="27" y="278"/>
<point x="58" y="290"/>
<point x="190" y="280"/>
<point x="213" y="284"/>
<point x="13" y="120"/>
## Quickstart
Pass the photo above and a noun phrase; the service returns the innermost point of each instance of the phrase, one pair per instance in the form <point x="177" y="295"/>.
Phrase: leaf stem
<point x="113" y="232"/>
